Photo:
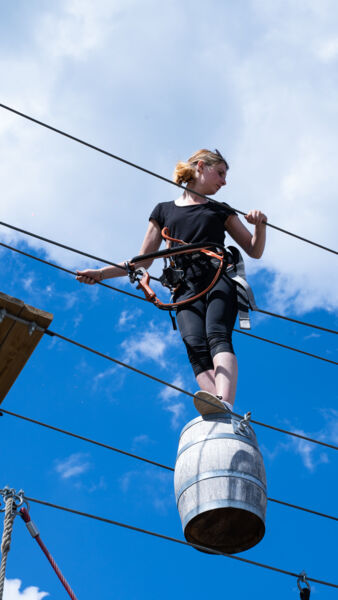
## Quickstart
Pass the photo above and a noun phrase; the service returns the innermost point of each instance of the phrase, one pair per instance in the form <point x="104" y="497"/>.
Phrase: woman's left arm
<point x="254" y="244"/>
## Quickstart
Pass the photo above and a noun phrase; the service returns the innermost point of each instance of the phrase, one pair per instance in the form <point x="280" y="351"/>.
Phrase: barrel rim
<point x="228" y="473"/>
<point x="221" y="418"/>
<point x="222" y="503"/>
<point x="225" y="417"/>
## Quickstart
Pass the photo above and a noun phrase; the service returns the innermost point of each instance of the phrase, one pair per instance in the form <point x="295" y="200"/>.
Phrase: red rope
<point x="35" y="534"/>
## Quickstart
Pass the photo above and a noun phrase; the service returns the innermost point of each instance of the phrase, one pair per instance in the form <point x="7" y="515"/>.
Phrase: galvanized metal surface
<point x="220" y="484"/>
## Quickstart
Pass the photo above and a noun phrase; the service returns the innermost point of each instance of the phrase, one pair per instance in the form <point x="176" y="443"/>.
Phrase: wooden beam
<point x="16" y="344"/>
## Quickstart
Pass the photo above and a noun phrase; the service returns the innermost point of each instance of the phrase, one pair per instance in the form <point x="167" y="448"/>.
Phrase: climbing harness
<point x="245" y="296"/>
<point x="173" y="276"/>
<point x="178" y="258"/>
<point x="304" y="592"/>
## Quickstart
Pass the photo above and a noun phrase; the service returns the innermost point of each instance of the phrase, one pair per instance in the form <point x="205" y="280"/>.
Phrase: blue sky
<point x="153" y="83"/>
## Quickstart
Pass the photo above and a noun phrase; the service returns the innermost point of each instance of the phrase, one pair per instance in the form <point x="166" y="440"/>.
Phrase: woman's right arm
<point x="151" y="243"/>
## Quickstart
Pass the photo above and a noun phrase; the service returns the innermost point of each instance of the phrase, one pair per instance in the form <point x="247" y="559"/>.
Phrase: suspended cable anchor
<point x="32" y="327"/>
<point x="244" y="424"/>
<point x="18" y="497"/>
<point x="304" y="591"/>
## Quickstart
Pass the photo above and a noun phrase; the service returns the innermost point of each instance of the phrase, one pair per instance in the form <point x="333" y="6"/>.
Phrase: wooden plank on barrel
<point x="16" y="345"/>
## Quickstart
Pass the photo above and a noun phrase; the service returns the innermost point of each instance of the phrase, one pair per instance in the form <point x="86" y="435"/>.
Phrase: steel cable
<point x="51" y="333"/>
<point x="143" y="459"/>
<point x="29" y="233"/>
<point x="152" y="173"/>
<point x="36" y="536"/>
<point x="46" y="262"/>
<point x="257" y="337"/>
<point x="176" y="540"/>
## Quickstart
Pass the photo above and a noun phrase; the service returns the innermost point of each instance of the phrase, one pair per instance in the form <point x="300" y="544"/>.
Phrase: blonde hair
<point x="185" y="171"/>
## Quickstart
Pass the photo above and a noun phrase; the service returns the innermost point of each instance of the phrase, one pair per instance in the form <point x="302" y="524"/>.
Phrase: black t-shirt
<point x="194" y="223"/>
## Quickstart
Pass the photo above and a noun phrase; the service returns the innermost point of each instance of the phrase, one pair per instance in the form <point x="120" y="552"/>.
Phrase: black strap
<point x="305" y="594"/>
<point x="173" y="320"/>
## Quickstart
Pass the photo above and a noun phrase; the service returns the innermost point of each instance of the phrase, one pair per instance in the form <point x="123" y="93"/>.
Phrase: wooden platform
<point x="16" y="344"/>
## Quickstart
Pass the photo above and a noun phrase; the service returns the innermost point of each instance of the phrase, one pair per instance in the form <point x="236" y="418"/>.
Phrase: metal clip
<point x="243" y="427"/>
<point x="302" y="579"/>
<point x="3" y="313"/>
<point x="134" y="274"/>
<point x="18" y="497"/>
<point x="32" y="327"/>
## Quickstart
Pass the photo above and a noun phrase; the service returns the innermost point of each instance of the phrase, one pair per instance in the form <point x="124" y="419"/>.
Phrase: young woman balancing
<point x="206" y="323"/>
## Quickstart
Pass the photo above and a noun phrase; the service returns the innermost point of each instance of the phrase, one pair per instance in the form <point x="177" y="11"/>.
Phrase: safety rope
<point x="146" y="460"/>
<point x="10" y="513"/>
<point x="152" y="173"/>
<point x="36" y="535"/>
<point x="176" y="540"/>
<point x="4" y="313"/>
<point x="82" y="253"/>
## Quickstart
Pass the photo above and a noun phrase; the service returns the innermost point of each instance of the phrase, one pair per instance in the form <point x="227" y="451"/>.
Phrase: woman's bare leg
<point x="206" y="381"/>
<point x="222" y="380"/>
<point x="225" y="376"/>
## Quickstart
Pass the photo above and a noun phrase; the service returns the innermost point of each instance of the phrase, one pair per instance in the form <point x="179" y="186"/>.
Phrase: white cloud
<point x="152" y="343"/>
<point x="28" y="283"/>
<point x="278" y="85"/>
<point x="104" y="374"/>
<point x="177" y="409"/>
<point x="330" y="432"/>
<point x="74" y="465"/>
<point x="78" y="29"/>
<point x="328" y="50"/>
<point x="129" y="320"/>
<point x="308" y="452"/>
<point x="152" y="484"/>
<point x="12" y="591"/>
<point x="126" y="480"/>
<point x="142" y="439"/>
<point x="311" y="455"/>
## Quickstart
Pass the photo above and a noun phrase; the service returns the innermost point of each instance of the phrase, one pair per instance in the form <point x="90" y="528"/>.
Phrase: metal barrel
<point x="220" y="484"/>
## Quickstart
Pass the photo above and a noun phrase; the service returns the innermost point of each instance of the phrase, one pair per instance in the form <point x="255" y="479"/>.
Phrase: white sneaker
<point x="206" y="403"/>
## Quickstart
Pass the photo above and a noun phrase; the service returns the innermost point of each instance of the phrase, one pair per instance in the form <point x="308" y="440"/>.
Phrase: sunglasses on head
<point x="221" y="157"/>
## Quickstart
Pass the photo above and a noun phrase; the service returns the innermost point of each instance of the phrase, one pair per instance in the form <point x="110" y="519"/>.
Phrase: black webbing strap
<point x="305" y="594"/>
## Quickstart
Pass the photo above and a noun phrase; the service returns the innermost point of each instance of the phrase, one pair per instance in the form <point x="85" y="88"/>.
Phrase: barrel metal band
<point x="220" y="473"/>
<point x="222" y="503"/>
<point x="225" y="436"/>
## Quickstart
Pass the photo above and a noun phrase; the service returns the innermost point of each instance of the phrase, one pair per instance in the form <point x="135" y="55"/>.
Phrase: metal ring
<point x="302" y="578"/>
<point x="18" y="497"/>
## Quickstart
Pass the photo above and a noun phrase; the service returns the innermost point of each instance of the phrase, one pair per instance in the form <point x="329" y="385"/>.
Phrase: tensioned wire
<point x="152" y="173"/>
<point x="274" y="343"/>
<point x="166" y="383"/>
<point x="176" y="540"/>
<point x="177" y="388"/>
<point x="143" y="459"/>
<point x="82" y="253"/>
<point x="154" y="378"/>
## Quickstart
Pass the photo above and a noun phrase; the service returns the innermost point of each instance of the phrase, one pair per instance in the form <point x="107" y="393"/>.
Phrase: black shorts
<point x="206" y="324"/>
